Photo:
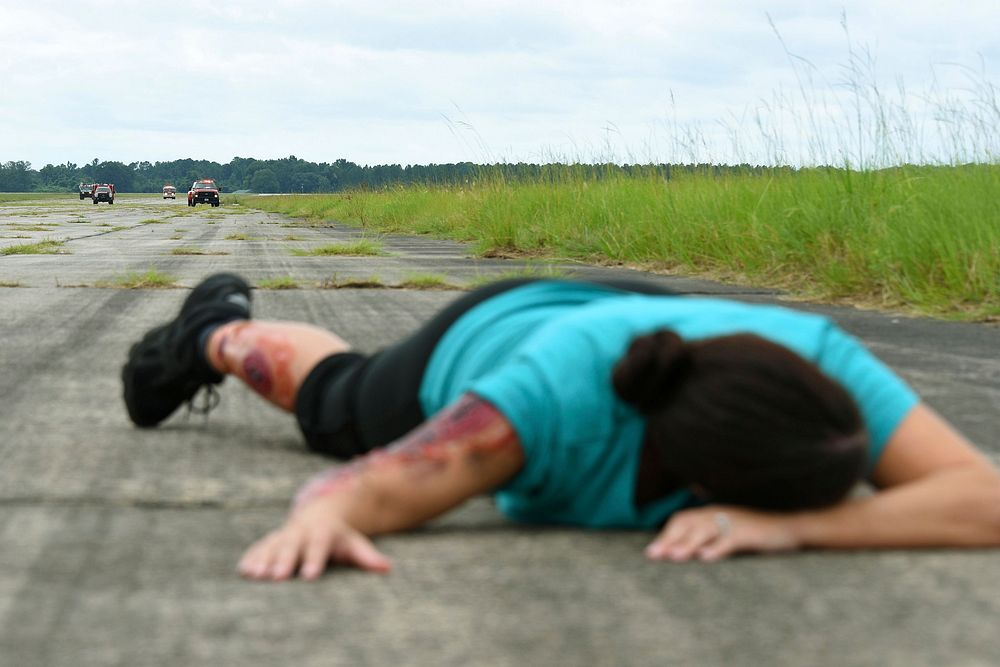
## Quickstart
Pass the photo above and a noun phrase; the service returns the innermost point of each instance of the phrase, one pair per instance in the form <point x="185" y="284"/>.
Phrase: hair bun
<point x="654" y="365"/>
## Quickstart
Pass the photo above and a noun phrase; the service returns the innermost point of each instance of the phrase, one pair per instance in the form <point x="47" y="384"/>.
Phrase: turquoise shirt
<point x="543" y="354"/>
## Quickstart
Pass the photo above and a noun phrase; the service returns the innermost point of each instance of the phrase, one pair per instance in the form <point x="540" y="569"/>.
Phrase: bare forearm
<point x="954" y="507"/>
<point x="425" y="473"/>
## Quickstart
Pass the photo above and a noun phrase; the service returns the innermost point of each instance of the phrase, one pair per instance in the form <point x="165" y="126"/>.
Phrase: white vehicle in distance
<point x="169" y="192"/>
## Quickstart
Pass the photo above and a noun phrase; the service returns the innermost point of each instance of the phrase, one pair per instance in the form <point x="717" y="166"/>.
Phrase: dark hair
<point x="748" y="420"/>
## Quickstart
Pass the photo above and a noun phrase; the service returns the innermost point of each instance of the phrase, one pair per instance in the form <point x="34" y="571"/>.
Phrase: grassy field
<point x="28" y="196"/>
<point x="920" y="238"/>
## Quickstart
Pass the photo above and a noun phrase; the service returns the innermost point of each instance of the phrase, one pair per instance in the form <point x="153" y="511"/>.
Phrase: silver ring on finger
<point x="723" y="524"/>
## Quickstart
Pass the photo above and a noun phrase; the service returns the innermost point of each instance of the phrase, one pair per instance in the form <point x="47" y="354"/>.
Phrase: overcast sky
<point x="414" y="82"/>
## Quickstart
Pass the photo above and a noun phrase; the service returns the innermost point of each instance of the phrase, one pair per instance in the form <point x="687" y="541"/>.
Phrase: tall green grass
<point x="908" y="216"/>
<point x="923" y="237"/>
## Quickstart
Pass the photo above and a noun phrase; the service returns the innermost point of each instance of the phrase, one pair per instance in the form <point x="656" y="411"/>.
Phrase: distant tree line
<point x="292" y="174"/>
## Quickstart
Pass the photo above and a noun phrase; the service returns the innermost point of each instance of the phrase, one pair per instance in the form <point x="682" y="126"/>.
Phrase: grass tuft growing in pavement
<point x="427" y="281"/>
<point x="334" y="282"/>
<point x="47" y="247"/>
<point x="281" y="282"/>
<point x="10" y="283"/>
<point x="151" y="279"/>
<point x="360" y="248"/>
<point x="188" y="250"/>
<point x="43" y="227"/>
<point x="240" y="236"/>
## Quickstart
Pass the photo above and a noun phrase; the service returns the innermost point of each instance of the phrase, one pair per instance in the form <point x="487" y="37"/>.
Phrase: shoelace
<point x="209" y="401"/>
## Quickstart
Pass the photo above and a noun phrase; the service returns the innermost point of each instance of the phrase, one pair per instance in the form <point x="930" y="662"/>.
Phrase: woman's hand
<point x="313" y="535"/>
<point x="714" y="532"/>
<point x="464" y="450"/>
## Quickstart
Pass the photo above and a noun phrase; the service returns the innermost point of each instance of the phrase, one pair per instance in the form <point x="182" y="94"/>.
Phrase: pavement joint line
<point x="139" y="503"/>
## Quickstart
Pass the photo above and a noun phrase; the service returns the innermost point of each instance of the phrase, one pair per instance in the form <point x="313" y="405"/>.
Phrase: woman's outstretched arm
<point x="933" y="490"/>
<point x="467" y="449"/>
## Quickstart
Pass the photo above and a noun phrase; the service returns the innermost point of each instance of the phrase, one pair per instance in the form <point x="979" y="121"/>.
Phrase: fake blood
<point x="258" y="372"/>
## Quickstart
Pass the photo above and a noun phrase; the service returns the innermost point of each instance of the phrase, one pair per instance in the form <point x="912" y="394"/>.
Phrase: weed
<point x="48" y="247"/>
<point x="153" y="221"/>
<point x="151" y="279"/>
<point x="188" y="250"/>
<point x="359" y="248"/>
<point x="32" y="228"/>
<point x="309" y="224"/>
<point x="282" y="282"/>
<point x="10" y="283"/>
<point x="334" y="282"/>
<point x="27" y="214"/>
<point x="240" y="236"/>
<point x="426" y="281"/>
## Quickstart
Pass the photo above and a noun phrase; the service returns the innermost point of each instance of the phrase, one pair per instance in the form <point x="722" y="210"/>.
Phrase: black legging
<point x="351" y="403"/>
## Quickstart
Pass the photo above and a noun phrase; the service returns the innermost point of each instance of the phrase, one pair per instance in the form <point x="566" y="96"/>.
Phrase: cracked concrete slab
<point x="119" y="544"/>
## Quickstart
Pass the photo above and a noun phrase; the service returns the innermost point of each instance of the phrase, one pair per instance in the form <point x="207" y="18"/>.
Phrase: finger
<point x="317" y="554"/>
<point x="257" y="558"/>
<point x="286" y="555"/>
<point x="671" y="535"/>
<point x="717" y="550"/>
<point x="248" y="559"/>
<point x="722" y="546"/>
<point x="677" y="529"/>
<point x="698" y="537"/>
<point x="356" y="549"/>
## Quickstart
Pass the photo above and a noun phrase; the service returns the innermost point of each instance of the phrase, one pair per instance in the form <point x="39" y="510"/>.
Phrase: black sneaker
<point x="165" y="369"/>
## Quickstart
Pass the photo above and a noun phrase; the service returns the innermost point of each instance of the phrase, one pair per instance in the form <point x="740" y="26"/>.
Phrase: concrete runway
<point x="118" y="546"/>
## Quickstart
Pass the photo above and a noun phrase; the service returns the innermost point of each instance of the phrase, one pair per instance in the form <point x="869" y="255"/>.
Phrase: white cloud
<point x="391" y="81"/>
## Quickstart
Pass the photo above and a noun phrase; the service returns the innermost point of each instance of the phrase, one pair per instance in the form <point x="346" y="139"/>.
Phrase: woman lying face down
<point x="725" y="427"/>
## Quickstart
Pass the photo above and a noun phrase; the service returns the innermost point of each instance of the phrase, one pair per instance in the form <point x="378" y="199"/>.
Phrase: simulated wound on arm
<point x="466" y="449"/>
